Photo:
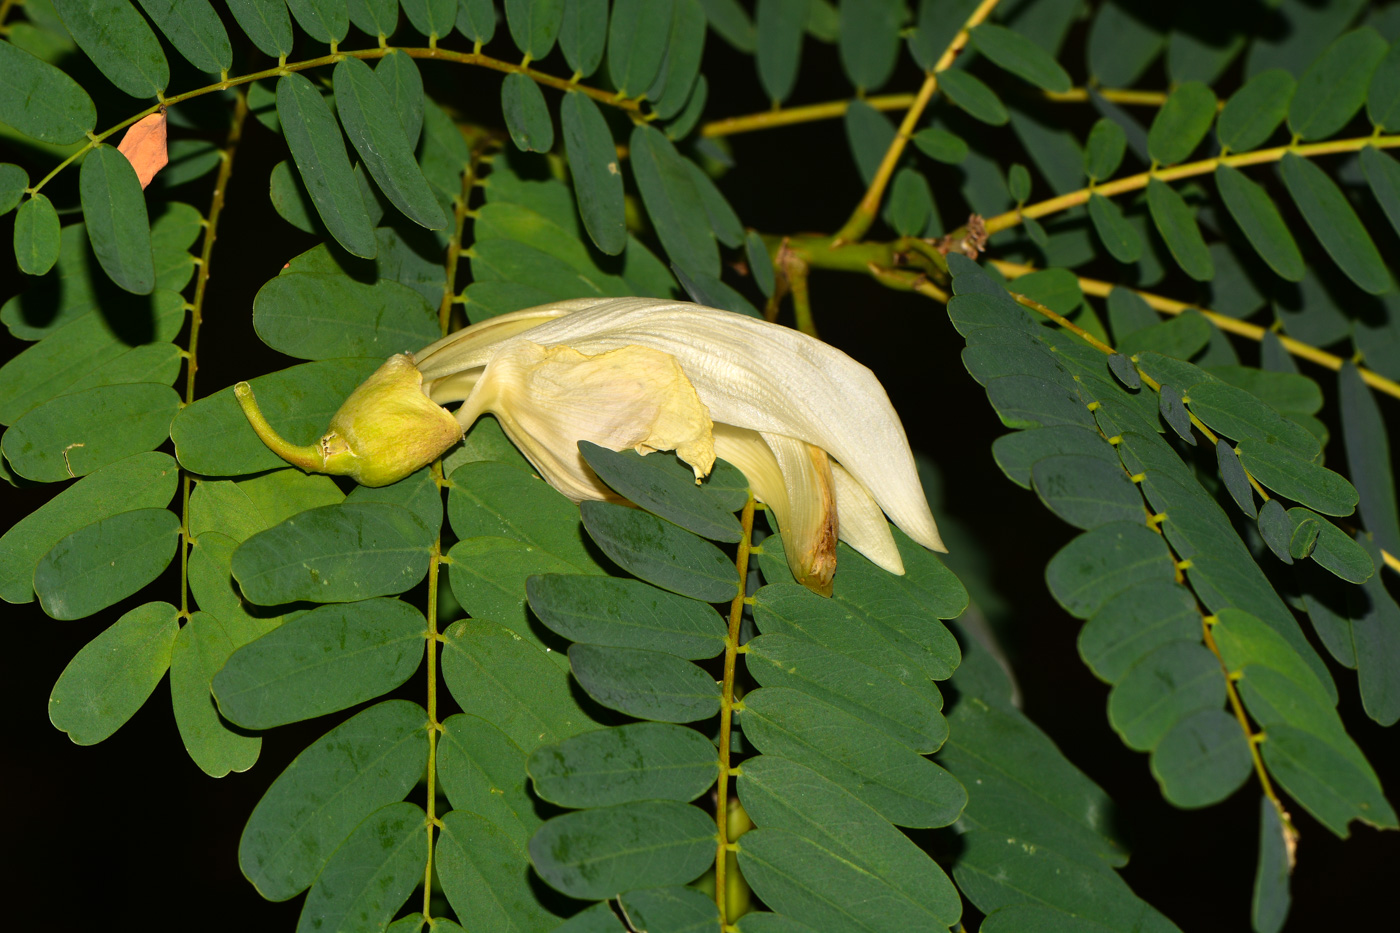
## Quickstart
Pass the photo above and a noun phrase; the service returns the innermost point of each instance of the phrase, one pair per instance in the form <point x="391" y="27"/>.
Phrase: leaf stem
<point x="865" y="212"/>
<point x="461" y="208"/>
<point x="201" y="285"/>
<point x="1079" y="95"/>
<point x="434" y="727"/>
<point x="632" y="106"/>
<point x="726" y="708"/>
<point x="1298" y="348"/>
<point x="1185" y="170"/>
<point x="808" y="113"/>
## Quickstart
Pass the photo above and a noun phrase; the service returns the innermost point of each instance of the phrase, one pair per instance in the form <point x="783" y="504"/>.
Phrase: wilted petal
<point x="771" y="379"/>
<point x="547" y="399"/>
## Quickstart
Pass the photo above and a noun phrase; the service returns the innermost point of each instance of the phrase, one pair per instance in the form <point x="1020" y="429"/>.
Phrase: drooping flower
<point x="811" y="429"/>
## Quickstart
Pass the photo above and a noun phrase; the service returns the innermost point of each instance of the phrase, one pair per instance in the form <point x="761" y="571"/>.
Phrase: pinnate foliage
<point x="629" y="716"/>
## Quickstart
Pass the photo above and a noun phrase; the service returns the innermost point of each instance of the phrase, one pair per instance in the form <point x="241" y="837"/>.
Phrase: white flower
<point x="811" y="429"/>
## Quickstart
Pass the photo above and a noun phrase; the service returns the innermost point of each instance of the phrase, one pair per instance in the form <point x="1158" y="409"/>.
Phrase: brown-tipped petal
<point x="550" y="398"/>
<point x="863" y="525"/>
<point x="794" y="480"/>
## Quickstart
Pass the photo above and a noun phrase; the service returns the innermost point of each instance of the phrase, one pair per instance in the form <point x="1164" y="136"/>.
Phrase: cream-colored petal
<point x="793" y="479"/>
<point x="771" y="379"/>
<point x="472" y="347"/>
<point x="547" y="399"/>
<point x="863" y="525"/>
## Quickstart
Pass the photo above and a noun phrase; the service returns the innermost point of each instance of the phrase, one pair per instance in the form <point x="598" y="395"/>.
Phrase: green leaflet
<point x="403" y="83"/>
<point x="650" y="685"/>
<point x="488" y="576"/>
<point x="194" y="29"/>
<point x="909" y="715"/>
<point x="583" y="34"/>
<point x="999" y="871"/>
<point x="671" y="908"/>
<point x="210" y="576"/>
<point x="1331" y="547"/>
<point x="322" y="317"/>
<point x="1176" y="222"/>
<point x="1086" y="491"/>
<point x="672" y="201"/>
<point x="119" y="43"/>
<point x="319" y="152"/>
<point x="84" y="354"/>
<point x="13" y="181"/>
<point x="597" y="178"/>
<point x="680" y="69"/>
<point x="1020" y="56"/>
<point x="911" y="203"/>
<point x="476" y="19"/>
<point x="973" y="96"/>
<point x="242" y="508"/>
<point x="1383" y="95"/>
<point x="940" y="145"/>
<point x="1101" y="563"/>
<point x="1334" y="87"/>
<point x="527" y="115"/>
<point x="1254" y="111"/>
<point x="1383" y="175"/>
<point x="1271" y="896"/>
<point x="105" y="562"/>
<point x="1335" y="224"/>
<point x="641" y="761"/>
<point x="760" y="263"/>
<point x="1016" y="453"/>
<point x="485" y="875"/>
<point x="114" y="209"/>
<point x="868" y="40"/>
<point x="1202" y="759"/>
<point x="1368" y="458"/>
<point x="600" y="853"/>
<point x="1120" y="47"/>
<point x="534" y="24"/>
<point x="1300" y="480"/>
<point x="372" y="873"/>
<point x="1238" y="414"/>
<point x="1103" y="151"/>
<point x="266" y="23"/>
<point x="637" y="34"/>
<point x="903" y="787"/>
<point x="36" y="237"/>
<point x="666" y="487"/>
<point x="41" y="101"/>
<point x="111" y="677"/>
<point x="778" y="27"/>
<point x="433" y="18"/>
<point x="1259" y="218"/>
<point x="324" y="20"/>
<point x="335" y="553"/>
<point x="324" y="661"/>
<point x="608" y="611"/>
<point x="483" y="771"/>
<point x="869" y="133"/>
<point x="1328" y="785"/>
<point x="510" y="681"/>
<point x="490" y="498"/>
<point x="143" y="481"/>
<point x="848" y="846"/>
<point x="1162" y="688"/>
<point x="660" y="553"/>
<point x="367" y="762"/>
<point x="72" y="435"/>
<point x="378" y="17"/>
<point x="367" y="112"/>
<point x="213" y="437"/>
<point x="728" y="229"/>
<point x="200" y="651"/>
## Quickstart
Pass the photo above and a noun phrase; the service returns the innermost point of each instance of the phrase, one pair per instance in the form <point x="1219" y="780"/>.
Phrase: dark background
<point x="131" y="833"/>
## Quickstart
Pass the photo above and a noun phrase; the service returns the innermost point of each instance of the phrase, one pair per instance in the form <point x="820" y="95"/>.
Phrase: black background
<point x="131" y="833"/>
